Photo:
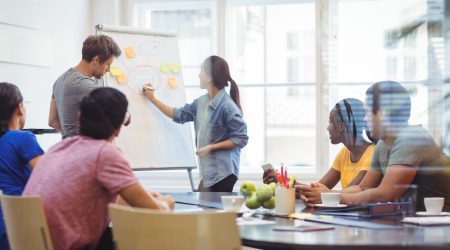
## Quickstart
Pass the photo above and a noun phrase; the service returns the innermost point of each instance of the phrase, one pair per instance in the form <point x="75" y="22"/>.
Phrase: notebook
<point x="354" y="222"/>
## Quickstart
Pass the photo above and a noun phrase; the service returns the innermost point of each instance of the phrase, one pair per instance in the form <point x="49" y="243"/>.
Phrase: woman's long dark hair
<point x="351" y="112"/>
<point x="102" y="112"/>
<point x="10" y="98"/>
<point x="218" y="69"/>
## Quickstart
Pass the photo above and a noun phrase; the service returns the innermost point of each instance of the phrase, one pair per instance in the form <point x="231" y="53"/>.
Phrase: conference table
<point x="401" y="236"/>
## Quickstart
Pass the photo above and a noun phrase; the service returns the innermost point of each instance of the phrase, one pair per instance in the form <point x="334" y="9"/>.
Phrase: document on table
<point x="303" y="228"/>
<point x="252" y="221"/>
<point x="303" y="216"/>
<point x="427" y="221"/>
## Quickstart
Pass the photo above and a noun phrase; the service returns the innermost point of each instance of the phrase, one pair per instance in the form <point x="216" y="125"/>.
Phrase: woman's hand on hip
<point x="205" y="150"/>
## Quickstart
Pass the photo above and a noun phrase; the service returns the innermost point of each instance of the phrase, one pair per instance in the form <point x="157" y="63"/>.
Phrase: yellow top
<point x="348" y="169"/>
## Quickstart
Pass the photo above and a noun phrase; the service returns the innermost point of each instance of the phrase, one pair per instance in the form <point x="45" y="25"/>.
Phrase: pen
<point x="286" y="176"/>
<point x="280" y="180"/>
<point x="148" y="86"/>
<point x="292" y="182"/>
<point x="282" y="171"/>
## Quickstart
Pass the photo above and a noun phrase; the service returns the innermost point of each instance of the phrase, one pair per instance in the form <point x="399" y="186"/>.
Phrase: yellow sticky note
<point x="172" y="82"/>
<point x="130" y="52"/>
<point x="164" y="68"/>
<point x="122" y="78"/>
<point x="115" y="71"/>
<point x="175" y="68"/>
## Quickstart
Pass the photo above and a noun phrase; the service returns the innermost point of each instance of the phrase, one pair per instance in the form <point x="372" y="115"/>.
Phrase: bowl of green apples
<point x="259" y="196"/>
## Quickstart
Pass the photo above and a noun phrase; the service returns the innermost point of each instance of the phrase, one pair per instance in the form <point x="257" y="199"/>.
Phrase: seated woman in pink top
<point x="79" y="176"/>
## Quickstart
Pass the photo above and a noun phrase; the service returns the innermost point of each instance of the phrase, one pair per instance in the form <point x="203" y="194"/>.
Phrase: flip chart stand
<point x="188" y="169"/>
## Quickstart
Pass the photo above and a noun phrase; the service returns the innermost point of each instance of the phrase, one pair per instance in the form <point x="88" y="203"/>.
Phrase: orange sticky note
<point x="172" y="82"/>
<point x="130" y="52"/>
<point x="122" y="78"/>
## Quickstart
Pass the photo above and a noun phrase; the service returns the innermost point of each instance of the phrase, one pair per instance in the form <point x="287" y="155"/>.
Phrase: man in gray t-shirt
<point x="416" y="148"/>
<point x="69" y="89"/>
<point x="404" y="154"/>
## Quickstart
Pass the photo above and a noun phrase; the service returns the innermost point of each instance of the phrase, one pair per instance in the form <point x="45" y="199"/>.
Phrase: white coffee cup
<point x="330" y="199"/>
<point x="434" y="205"/>
<point x="284" y="200"/>
<point x="232" y="203"/>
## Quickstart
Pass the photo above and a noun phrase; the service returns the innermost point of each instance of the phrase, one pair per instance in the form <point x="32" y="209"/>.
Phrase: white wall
<point x="106" y="12"/>
<point x="41" y="46"/>
<point x="40" y="39"/>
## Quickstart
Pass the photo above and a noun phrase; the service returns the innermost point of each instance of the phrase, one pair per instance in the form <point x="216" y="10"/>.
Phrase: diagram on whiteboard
<point x="152" y="139"/>
<point x="139" y="66"/>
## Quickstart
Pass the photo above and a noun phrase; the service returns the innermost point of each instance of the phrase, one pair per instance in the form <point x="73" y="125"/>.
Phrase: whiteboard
<point x="152" y="140"/>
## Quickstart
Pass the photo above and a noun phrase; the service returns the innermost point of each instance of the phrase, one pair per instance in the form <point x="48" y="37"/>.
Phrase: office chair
<point x="25" y="222"/>
<point x="139" y="229"/>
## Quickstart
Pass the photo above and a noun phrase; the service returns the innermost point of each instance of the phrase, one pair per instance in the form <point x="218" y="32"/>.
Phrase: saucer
<point x="425" y="213"/>
<point x="239" y="213"/>
<point x="329" y="206"/>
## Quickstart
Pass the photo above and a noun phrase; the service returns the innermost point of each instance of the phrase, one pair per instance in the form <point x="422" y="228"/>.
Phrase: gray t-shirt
<point x="415" y="147"/>
<point x="68" y="91"/>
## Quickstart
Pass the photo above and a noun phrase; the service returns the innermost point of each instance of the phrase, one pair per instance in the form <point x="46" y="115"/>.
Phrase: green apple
<point x="264" y="192"/>
<point x="247" y="188"/>
<point x="273" y="185"/>
<point x="270" y="203"/>
<point x="252" y="202"/>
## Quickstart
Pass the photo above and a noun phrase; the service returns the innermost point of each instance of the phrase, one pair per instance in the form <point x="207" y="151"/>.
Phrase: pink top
<point x="76" y="180"/>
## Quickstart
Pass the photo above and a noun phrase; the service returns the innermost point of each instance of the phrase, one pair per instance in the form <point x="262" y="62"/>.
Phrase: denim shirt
<point x="215" y="120"/>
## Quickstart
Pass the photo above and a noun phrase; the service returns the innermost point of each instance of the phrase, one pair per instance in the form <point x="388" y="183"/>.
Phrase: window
<point x="391" y="68"/>
<point x="271" y="49"/>
<point x="272" y="58"/>
<point x="292" y="69"/>
<point x="292" y="41"/>
<point x="410" y="68"/>
<point x="404" y="45"/>
<point x="195" y="23"/>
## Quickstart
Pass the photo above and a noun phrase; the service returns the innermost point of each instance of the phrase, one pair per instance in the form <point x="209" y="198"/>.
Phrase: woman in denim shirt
<point x="220" y="131"/>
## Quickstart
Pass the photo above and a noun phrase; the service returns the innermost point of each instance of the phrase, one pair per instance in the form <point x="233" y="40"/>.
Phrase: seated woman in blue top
<point x="220" y="129"/>
<point x="19" y="150"/>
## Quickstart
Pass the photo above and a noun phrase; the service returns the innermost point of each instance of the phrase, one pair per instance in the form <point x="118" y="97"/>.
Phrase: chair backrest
<point x="26" y="224"/>
<point x="140" y="229"/>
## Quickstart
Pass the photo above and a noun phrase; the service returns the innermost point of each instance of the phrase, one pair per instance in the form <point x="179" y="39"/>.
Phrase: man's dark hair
<point x="102" y="112"/>
<point x="99" y="45"/>
<point x="392" y="98"/>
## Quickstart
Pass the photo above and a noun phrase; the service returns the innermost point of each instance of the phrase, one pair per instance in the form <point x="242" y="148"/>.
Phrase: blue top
<point x="215" y="120"/>
<point x="17" y="148"/>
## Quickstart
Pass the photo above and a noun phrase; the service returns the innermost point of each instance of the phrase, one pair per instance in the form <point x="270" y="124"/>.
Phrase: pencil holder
<point x="284" y="200"/>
